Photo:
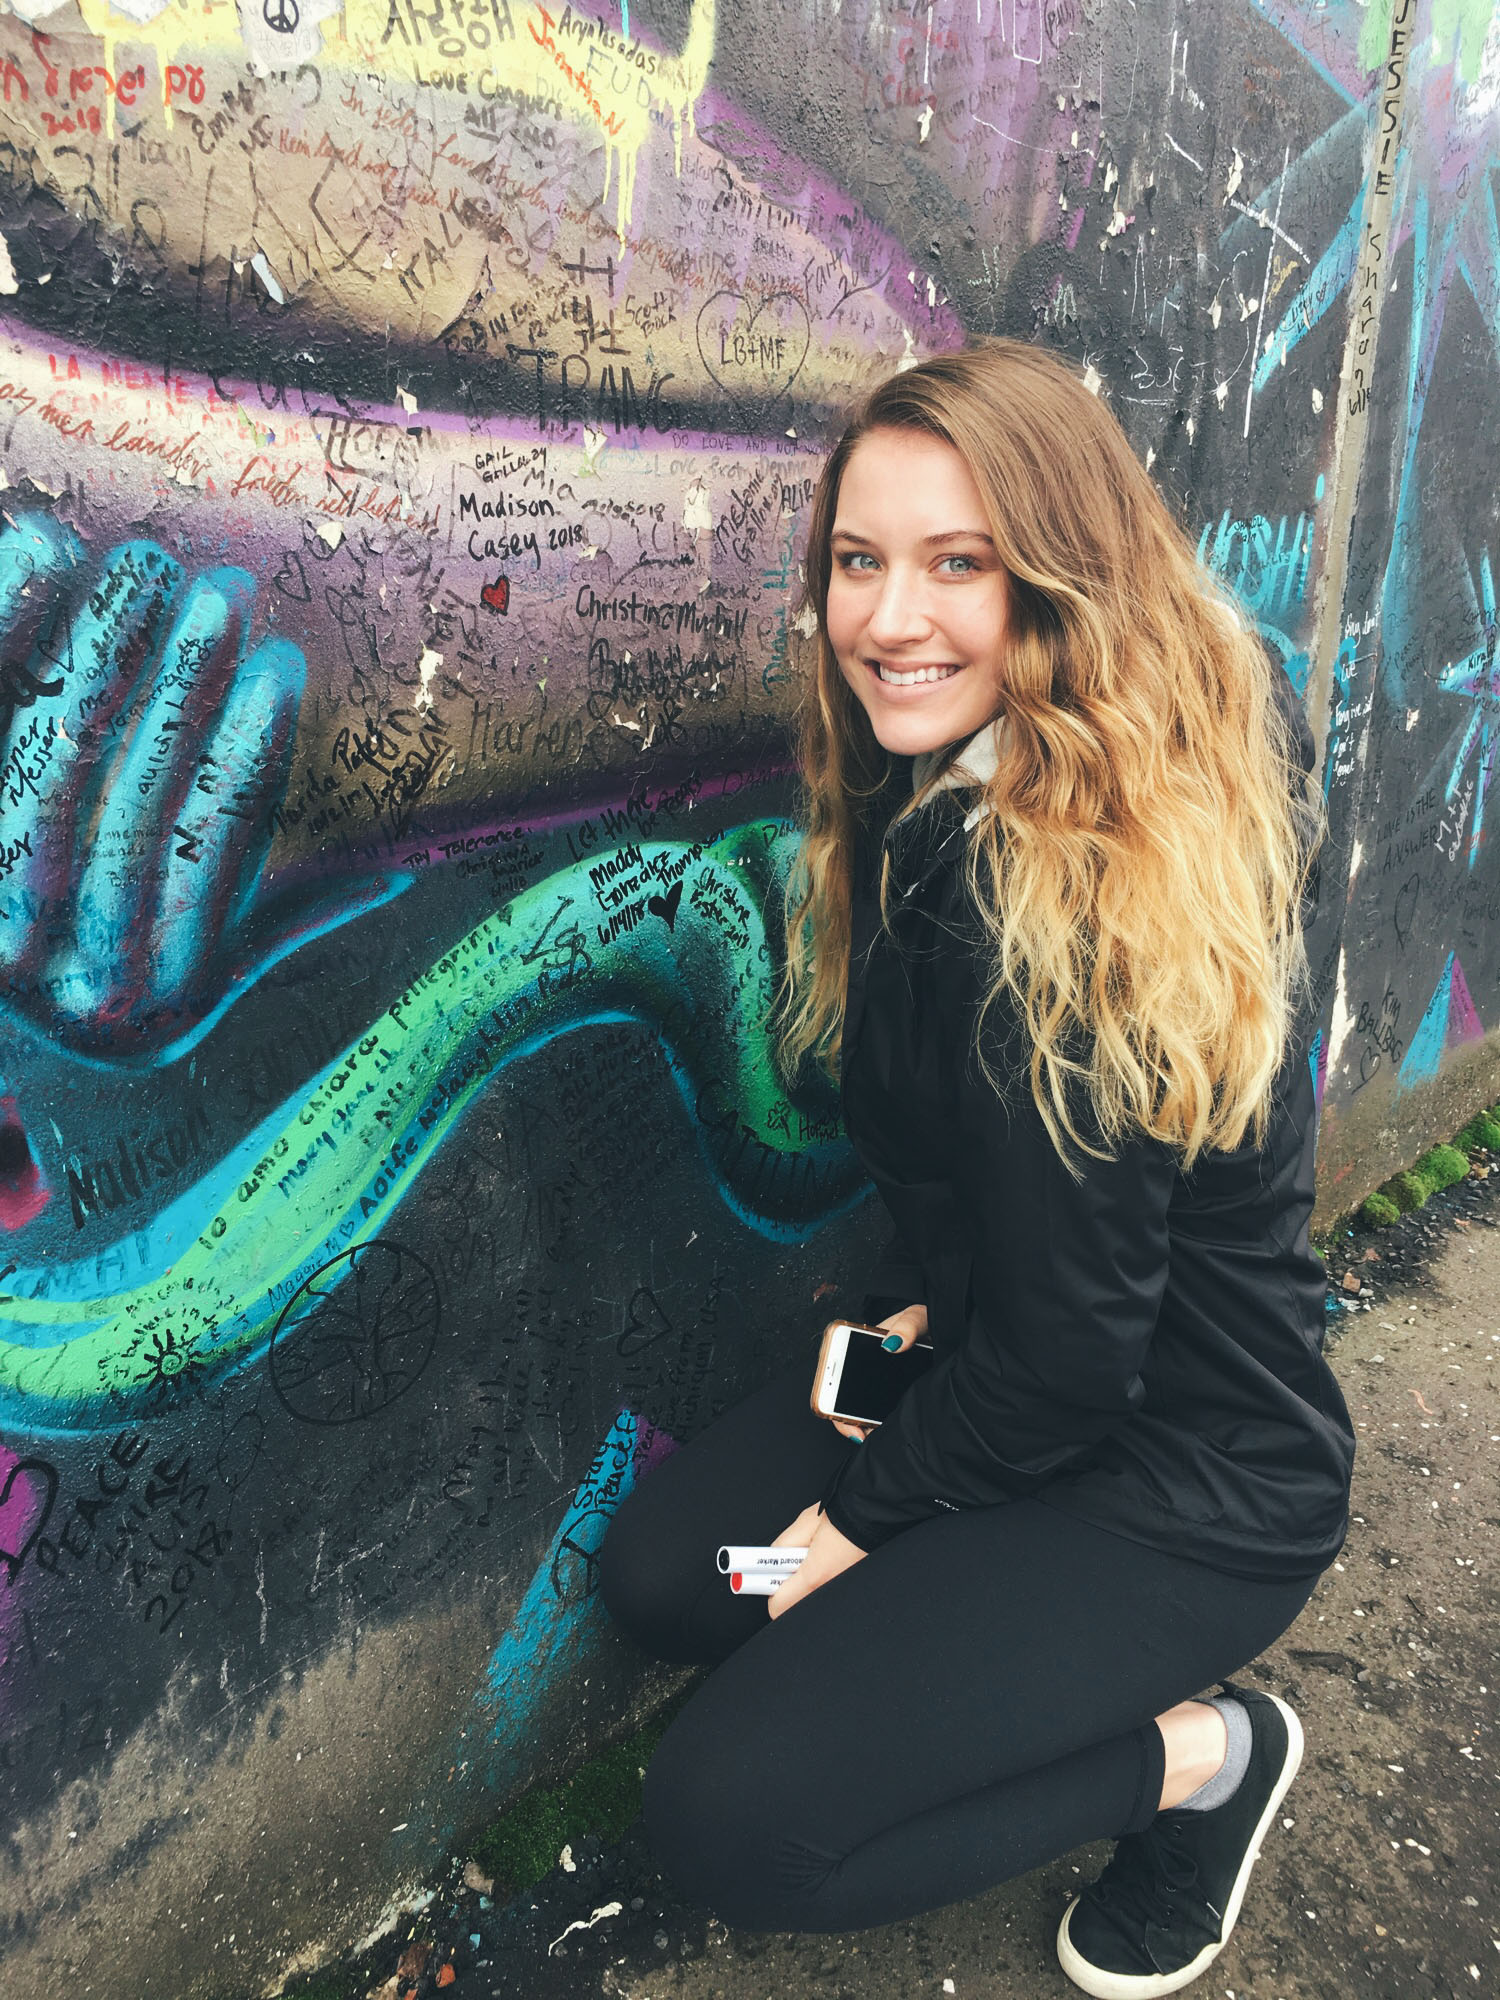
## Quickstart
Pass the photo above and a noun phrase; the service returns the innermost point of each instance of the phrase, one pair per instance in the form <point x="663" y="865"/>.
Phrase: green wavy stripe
<point x="326" y="1171"/>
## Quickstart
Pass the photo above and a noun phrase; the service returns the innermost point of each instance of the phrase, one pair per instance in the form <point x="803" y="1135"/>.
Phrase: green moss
<point x="602" y="1798"/>
<point x="1379" y="1211"/>
<point x="1407" y="1190"/>
<point x="1444" y="1165"/>
<point x="1439" y="1167"/>
<point x="1483" y="1129"/>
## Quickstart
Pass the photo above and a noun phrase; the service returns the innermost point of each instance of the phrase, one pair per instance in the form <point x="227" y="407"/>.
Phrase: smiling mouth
<point x="911" y="676"/>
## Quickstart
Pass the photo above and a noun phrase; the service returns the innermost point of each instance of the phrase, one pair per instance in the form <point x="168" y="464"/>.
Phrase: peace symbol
<point x="281" y="16"/>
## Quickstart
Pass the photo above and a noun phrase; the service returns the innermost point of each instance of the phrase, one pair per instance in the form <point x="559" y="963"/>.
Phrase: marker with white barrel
<point x="756" y="1572"/>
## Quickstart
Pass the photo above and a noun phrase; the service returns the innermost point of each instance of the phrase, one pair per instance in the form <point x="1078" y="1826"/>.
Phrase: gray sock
<point x="1226" y="1780"/>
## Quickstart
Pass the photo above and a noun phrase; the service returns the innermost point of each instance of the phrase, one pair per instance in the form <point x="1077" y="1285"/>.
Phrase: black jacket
<point x="1143" y="1349"/>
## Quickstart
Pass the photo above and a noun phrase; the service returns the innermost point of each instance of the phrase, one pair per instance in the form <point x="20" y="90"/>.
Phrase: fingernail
<point x="891" y="1342"/>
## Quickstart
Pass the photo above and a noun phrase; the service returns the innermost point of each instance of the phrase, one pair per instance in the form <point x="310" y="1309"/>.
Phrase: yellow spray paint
<point x="609" y="83"/>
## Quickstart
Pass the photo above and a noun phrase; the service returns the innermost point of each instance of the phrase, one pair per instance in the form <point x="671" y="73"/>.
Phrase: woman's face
<point x="917" y="598"/>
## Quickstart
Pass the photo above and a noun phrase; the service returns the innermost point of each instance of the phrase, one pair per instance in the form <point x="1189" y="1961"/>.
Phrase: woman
<point x="1052" y="894"/>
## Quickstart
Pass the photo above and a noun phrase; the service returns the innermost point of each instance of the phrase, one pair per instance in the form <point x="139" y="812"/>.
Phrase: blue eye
<point x="847" y="562"/>
<point x="970" y="565"/>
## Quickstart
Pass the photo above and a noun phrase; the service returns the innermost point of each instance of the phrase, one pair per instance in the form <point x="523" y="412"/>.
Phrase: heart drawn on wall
<point x="645" y="1323"/>
<point x="24" y="1509"/>
<point x="753" y="349"/>
<point x="291" y="578"/>
<point x="666" y="906"/>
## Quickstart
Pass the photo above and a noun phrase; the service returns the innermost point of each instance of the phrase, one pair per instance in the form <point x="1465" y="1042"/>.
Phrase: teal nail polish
<point x="891" y="1342"/>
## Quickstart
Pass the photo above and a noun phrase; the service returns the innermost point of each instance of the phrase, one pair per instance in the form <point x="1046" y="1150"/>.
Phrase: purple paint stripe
<point x="787" y="181"/>
<point x="651" y="1447"/>
<point x="721" y="784"/>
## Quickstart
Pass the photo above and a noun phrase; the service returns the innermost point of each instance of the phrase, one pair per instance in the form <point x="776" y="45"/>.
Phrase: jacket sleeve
<point x="1066" y="1283"/>
<point x="896" y="1281"/>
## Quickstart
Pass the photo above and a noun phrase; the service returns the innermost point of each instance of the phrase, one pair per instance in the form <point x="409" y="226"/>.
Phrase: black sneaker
<point x="1163" y="1909"/>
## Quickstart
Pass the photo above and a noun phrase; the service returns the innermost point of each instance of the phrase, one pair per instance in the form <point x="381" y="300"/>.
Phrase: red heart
<point x="496" y="596"/>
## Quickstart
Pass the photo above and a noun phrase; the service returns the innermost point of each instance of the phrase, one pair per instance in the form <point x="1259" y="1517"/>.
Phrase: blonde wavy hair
<point x="1141" y="872"/>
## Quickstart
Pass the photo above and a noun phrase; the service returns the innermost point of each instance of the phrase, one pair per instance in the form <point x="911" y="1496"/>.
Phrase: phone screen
<point x="873" y="1382"/>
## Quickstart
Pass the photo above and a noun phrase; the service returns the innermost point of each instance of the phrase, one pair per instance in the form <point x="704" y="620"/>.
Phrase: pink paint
<point x="28" y="1492"/>
<point x="1464" y="1024"/>
<point x="23" y="1191"/>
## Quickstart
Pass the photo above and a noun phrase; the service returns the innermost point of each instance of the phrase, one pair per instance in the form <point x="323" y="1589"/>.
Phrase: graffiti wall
<point x="1409" y="640"/>
<point x="409" y="411"/>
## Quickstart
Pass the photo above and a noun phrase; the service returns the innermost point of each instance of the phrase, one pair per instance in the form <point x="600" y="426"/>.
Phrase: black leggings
<point x="974" y="1698"/>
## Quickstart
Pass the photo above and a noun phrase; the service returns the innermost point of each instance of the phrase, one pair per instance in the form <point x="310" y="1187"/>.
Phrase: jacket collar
<point x="975" y="763"/>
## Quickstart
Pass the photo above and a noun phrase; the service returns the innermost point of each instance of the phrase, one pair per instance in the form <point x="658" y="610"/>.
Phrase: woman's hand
<point x="828" y="1553"/>
<point x="911" y="1324"/>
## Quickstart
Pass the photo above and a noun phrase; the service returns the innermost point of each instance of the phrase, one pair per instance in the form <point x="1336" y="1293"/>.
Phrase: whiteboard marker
<point x="756" y="1571"/>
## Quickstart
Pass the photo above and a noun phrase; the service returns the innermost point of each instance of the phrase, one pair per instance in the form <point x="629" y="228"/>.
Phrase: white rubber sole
<point x="1144" y="1986"/>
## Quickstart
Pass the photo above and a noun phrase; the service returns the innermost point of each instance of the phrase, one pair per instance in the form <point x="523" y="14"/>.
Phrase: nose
<point x="899" y="615"/>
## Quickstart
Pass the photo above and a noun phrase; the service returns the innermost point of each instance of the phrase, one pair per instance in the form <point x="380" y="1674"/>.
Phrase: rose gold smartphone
<point x="856" y="1379"/>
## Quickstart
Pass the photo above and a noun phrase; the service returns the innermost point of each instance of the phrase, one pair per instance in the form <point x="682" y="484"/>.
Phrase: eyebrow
<point x="927" y="541"/>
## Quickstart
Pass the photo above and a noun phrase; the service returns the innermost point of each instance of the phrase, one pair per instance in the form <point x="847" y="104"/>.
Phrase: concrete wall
<point x="408" y="412"/>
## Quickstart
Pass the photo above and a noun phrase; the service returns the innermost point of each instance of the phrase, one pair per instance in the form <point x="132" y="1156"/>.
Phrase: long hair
<point x="1140" y="873"/>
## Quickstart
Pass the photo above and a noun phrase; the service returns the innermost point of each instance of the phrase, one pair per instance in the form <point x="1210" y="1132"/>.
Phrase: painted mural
<point x="409" y="411"/>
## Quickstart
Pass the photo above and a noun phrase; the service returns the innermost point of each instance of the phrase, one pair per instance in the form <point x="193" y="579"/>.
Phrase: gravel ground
<point x="1380" y="1881"/>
